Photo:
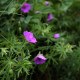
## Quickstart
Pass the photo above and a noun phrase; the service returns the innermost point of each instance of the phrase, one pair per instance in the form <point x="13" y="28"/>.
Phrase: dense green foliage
<point x="63" y="54"/>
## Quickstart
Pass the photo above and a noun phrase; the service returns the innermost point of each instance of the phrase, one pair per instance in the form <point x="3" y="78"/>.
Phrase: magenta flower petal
<point x="29" y="37"/>
<point x="33" y="40"/>
<point x="50" y="17"/>
<point x="40" y="59"/>
<point x="56" y="35"/>
<point x="47" y="3"/>
<point x="26" y="7"/>
<point x="38" y="12"/>
<point x="25" y="33"/>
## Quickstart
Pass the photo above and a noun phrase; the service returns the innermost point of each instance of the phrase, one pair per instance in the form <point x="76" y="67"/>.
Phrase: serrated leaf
<point x="66" y="4"/>
<point x="11" y="10"/>
<point x="27" y="20"/>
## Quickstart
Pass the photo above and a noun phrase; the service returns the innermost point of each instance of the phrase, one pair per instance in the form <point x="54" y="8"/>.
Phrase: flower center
<point x="24" y="6"/>
<point x="39" y="59"/>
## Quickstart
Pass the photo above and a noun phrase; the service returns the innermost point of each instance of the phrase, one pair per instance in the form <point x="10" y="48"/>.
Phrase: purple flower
<point x="47" y="3"/>
<point x="19" y="58"/>
<point x="40" y="59"/>
<point x="56" y="35"/>
<point x="29" y="37"/>
<point x="26" y="7"/>
<point x="50" y="17"/>
<point x="38" y="12"/>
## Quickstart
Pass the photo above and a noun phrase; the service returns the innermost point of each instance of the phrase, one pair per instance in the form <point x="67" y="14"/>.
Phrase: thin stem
<point x="5" y="38"/>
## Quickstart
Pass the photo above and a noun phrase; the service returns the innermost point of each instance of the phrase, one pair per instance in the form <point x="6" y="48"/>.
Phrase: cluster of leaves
<point x="17" y="55"/>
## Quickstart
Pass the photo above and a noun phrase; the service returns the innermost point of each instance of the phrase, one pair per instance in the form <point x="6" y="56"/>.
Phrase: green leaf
<point x="11" y="10"/>
<point x="76" y="3"/>
<point x="66" y="4"/>
<point x="36" y="20"/>
<point x="27" y="20"/>
<point x="46" y="10"/>
<point x="3" y="1"/>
